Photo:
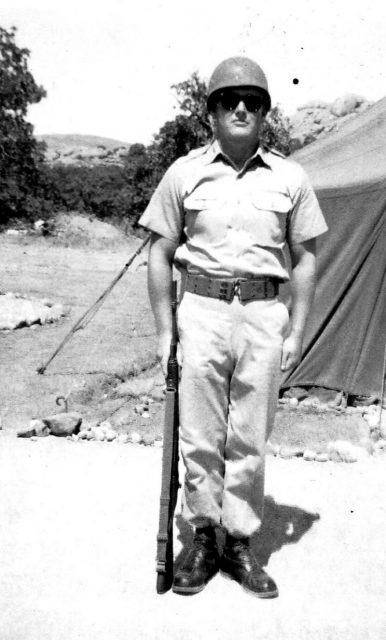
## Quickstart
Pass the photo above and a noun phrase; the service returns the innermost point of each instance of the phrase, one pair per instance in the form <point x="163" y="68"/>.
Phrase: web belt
<point x="245" y="289"/>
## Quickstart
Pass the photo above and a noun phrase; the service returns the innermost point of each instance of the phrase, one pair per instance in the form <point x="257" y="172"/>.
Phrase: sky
<point x="108" y="65"/>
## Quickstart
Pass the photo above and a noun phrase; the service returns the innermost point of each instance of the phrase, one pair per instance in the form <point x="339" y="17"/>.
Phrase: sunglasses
<point x="229" y="100"/>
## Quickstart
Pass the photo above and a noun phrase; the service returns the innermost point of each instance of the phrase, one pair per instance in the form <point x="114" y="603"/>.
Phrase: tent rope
<point x="86" y="318"/>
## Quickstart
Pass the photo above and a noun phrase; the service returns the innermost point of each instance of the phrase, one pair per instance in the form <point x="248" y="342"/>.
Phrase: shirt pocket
<point x="205" y="218"/>
<point x="270" y="217"/>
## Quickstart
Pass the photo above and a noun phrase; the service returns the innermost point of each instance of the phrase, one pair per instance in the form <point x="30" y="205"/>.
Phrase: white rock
<point x="372" y="420"/>
<point x="97" y="434"/>
<point x="84" y="434"/>
<point x="344" y="451"/>
<point x="110" y="435"/>
<point x="293" y="402"/>
<point x="135" y="438"/>
<point x="106" y="426"/>
<point x="346" y="104"/>
<point x="309" y="455"/>
<point x="123" y="438"/>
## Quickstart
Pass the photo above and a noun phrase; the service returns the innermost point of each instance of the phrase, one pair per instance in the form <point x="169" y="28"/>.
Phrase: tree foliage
<point x="21" y="156"/>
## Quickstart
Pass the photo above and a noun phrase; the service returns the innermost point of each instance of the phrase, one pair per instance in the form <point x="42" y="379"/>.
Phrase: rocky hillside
<point x="317" y="118"/>
<point x="83" y="150"/>
<point x="311" y="121"/>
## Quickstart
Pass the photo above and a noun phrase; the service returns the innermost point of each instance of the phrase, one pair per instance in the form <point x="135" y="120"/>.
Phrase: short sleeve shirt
<point x="231" y="223"/>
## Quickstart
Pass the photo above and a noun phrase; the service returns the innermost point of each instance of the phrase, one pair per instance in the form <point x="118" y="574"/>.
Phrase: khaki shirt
<point x="231" y="223"/>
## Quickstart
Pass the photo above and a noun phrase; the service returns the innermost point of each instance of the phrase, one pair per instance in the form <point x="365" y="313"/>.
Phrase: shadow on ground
<point x="283" y="524"/>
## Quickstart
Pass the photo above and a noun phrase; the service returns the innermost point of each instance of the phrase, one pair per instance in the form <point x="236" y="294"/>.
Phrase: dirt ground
<point x="78" y="520"/>
<point x="78" y="525"/>
<point x="121" y="333"/>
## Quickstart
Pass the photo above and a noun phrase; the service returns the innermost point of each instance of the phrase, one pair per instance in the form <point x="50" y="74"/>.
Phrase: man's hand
<point x="291" y="352"/>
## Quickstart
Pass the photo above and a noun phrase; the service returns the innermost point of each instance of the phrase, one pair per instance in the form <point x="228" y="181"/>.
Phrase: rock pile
<point x="317" y="118"/>
<point x="17" y="311"/>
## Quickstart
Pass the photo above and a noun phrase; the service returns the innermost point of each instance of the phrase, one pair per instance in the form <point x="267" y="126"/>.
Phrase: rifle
<point x="169" y="483"/>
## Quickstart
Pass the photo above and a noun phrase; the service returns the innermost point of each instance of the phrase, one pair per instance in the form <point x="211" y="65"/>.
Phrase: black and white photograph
<point x="192" y="320"/>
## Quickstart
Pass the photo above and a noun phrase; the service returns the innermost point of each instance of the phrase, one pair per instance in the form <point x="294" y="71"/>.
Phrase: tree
<point x="21" y="156"/>
<point x="275" y="131"/>
<point x="191" y="98"/>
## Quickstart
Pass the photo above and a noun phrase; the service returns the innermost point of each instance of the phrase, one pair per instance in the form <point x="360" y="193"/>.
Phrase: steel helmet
<point x="238" y="72"/>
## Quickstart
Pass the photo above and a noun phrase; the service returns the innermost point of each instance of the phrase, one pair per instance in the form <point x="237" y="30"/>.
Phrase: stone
<point x="98" y="433"/>
<point x="372" y="419"/>
<point x="106" y="426"/>
<point x="293" y="403"/>
<point x="309" y="455"/>
<point x="321" y="457"/>
<point x="135" y="438"/>
<point x="148" y="440"/>
<point x="110" y="435"/>
<point x="83" y="434"/>
<point x="158" y="394"/>
<point x="345" y="105"/>
<point x="344" y="451"/>
<point x="290" y="452"/>
<point x="123" y="438"/>
<point x="63" y="424"/>
<point x="40" y="428"/>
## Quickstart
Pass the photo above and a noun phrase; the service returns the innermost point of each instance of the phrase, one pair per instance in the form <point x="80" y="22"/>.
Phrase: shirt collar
<point x="214" y="151"/>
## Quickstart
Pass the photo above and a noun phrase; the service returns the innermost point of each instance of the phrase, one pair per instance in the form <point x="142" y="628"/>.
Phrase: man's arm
<point x="303" y="288"/>
<point x="160" y="267"/>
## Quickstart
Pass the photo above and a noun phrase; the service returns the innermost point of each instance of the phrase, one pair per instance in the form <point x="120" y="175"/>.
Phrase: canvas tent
<point x="346" y="335"/>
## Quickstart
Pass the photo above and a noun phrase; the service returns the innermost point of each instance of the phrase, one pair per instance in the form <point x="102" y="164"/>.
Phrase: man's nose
<point x="241" y="109"/>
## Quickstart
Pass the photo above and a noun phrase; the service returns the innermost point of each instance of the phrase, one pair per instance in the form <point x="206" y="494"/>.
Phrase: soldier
<point x="223" y="215"/>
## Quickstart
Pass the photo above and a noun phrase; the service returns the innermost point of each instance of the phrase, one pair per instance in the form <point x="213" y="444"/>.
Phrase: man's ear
<point x="212" y="122"/>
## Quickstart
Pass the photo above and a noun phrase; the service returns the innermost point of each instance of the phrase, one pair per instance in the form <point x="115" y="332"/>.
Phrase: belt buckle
<point x="227" y="290"/>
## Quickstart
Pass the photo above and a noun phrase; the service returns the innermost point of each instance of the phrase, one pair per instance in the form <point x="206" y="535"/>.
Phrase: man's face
<point x="238" y="115"/>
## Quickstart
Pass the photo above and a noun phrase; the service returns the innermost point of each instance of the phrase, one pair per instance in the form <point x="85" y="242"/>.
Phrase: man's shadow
<point x="282" y="524"/>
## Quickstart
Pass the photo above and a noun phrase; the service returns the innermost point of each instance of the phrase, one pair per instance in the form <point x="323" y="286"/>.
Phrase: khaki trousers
<point x="229" y="386"/>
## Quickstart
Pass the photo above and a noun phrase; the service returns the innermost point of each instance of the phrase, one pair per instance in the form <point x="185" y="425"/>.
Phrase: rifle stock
<point x="169" y="482"/>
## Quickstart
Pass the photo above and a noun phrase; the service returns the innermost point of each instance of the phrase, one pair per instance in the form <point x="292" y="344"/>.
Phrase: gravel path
<point x="77" y="546"/>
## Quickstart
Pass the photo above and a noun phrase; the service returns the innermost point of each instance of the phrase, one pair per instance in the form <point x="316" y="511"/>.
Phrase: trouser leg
<point x="204" y="332"/>
<point x="257" y="344"/>
<point x="229" y="387"/>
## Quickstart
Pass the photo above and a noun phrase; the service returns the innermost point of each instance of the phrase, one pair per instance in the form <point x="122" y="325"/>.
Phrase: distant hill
<point x="311" y="121"/>
<point x="83" y="150"/>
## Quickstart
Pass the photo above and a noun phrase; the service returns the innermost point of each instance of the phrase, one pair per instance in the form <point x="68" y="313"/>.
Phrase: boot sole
<point x="188" y="591"/>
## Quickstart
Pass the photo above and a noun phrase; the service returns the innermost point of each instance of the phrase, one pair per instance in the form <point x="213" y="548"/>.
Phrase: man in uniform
<point x="223" y="214"/>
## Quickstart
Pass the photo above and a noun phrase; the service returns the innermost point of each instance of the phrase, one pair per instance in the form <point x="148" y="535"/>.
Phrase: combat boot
<point x="200" y="564"/>
<point x="239" y="563"/>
